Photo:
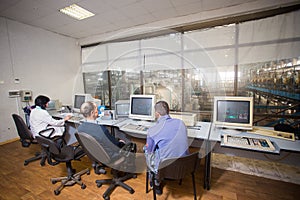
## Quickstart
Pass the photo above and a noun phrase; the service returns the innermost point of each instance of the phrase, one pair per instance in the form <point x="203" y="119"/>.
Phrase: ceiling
<point x="110" y="15"/>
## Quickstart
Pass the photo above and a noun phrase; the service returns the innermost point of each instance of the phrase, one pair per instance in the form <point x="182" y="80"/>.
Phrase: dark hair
<point x="41" y="101"/>
<point x="162" y="108"/>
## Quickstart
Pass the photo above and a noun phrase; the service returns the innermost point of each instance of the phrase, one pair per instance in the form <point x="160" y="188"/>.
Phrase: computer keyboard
<point x="250" y="143"/>
<point x="76" y="118"/>
<point x="135" y="128"/>
<point x="273" y="133"/>
<point x="73" y="118"/>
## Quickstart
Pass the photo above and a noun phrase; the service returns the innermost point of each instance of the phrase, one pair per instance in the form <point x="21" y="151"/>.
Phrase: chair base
<point x="115" y="182"/>
<point x="38" y="156"/>
<point x="69" y="181"/>
<point x="153" y="187"/>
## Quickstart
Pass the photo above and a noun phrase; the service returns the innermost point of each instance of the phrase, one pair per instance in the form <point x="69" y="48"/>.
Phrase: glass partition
<point x="189" y="69"/>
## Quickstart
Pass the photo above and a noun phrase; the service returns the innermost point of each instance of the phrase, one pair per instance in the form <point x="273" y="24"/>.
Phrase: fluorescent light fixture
<point x="76" y="12"/>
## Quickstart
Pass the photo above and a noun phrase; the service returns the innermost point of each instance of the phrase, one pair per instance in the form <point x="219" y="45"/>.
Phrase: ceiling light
<point x="76" y="12"/>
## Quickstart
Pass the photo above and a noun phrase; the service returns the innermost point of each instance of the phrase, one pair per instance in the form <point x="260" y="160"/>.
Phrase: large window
<point x="188" y="69"/>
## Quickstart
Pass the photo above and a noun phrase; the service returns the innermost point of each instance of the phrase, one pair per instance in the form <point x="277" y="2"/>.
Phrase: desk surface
<point x="215" y="135"/>
<point x="200" y="130"/>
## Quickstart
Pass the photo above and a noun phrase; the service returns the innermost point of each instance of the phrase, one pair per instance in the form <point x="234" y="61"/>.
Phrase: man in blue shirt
<point x="168" y="137"/>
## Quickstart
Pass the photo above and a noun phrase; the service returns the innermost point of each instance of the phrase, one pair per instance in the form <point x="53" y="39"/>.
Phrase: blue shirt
<point x="169" y="136"/>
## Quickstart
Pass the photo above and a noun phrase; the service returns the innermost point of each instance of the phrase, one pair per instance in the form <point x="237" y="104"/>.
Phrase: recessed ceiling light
<point x="76" y="12"/>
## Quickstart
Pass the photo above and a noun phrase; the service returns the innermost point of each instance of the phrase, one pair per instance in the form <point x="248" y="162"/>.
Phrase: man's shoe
<point x="158" y="189"/>
<point x="151" y="185"/>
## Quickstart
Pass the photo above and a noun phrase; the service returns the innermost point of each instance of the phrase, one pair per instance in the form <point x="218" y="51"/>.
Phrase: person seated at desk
<point x="41" y="120"/>
<point x="99" y="132"/>
<point x="168" y="137"/>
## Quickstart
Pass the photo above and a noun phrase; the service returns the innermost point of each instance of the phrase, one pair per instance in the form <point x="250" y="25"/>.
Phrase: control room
<point x="229" y="71"/>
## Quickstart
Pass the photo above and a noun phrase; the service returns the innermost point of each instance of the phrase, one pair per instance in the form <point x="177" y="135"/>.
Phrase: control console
<point x="250" y="143"/>
<point x="135" y="128"/>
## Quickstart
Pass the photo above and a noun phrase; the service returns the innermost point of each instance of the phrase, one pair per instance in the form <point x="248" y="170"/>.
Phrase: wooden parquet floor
<point x="33" y="182"/>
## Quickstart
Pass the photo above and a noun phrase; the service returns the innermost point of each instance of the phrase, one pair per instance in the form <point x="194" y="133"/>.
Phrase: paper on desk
<point x="66" y="114"/>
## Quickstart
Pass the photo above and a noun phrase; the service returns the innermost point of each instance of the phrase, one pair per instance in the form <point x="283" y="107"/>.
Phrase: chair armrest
<point x="78" y="152"/>
<point x="128" y="149"/>
<point x="47" y="133"/>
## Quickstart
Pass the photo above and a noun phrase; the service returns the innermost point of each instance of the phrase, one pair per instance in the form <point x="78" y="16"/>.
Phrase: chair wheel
<point x="26" y="163"/>
<point x="83" y="186"/>
<point x="56" y="192"/>
<point x="131" y="191"/>
<point x="54" y="181"/>
<point x="88" y="172"/>
<point x="106" y="197"/>
<point x="99" y="185"/>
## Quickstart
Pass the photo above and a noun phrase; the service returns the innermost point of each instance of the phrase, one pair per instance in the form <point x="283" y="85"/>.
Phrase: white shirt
<point x="40" y="120"/>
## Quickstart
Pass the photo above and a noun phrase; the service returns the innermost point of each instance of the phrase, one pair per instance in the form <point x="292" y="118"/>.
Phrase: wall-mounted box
<point x="26" y="95"/>
<point x="13" y="93"/>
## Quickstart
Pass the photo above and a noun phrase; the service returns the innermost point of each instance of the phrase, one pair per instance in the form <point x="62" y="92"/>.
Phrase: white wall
<point x="44" y="62"/>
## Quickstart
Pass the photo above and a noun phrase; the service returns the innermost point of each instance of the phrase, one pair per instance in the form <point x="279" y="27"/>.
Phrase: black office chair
<point x="98" y="154"/>
<point x="58" y="153"/>
<point x="27" y="139"/>
<point x="175" y="169"/>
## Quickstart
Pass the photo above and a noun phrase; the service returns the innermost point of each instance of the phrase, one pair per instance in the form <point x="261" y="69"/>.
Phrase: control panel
<point x="250" y="143"/>
<point x="26" y="95"/>
<point x="135" y="128"/>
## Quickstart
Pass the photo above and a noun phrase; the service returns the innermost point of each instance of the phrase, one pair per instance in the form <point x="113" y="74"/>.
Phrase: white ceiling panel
<point x="116" y="15"/>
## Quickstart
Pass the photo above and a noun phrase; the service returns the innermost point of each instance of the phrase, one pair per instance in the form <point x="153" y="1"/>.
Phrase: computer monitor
<point x="53" y="105"/>
<point x="233" y="112"/>
<point x="122" y="108"/>
<point x="142" y="107"/>
<point x="79" y="99"/>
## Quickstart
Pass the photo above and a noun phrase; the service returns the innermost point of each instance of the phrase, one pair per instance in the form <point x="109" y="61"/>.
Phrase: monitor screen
<point x="122" y="108"/>
<point x="53" y="105"/>
<point x="142" y="107"/>
<point x="79" y="99"/>
<point x="233" y="112"/>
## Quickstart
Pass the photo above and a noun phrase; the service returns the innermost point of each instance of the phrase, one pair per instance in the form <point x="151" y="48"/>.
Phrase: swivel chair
<point x="175" y="169"/>
<point x="98" y="154"/>
<point x="66" y="154"/>
<point x="27" y="139"/>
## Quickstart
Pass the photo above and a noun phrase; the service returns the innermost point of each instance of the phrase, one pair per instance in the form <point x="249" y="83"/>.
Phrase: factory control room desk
<point x="205" y="136"/>
<point x="197" y="135"/>
<point x="287" y="151"/>
<point x="199" y="131"/>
